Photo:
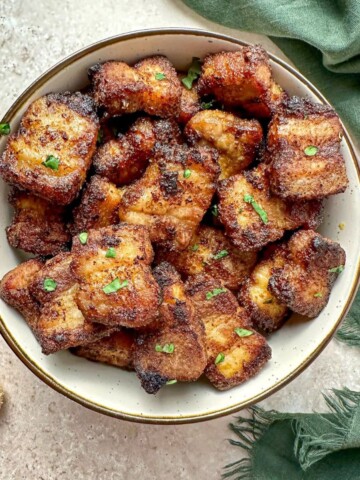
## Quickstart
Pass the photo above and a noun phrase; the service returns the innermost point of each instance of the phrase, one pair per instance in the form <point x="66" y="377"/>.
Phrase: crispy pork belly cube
<point x="235" y="351"/>
<point x="241" y="79"/>
<point x="173" y="195"/>
<point x="51" y="152"/>
<point x="124" y="159"/>
<point x="61" y="324"/>
<point x="117" y="88"/>
<point x="98" y="206"/>
<point x="176" y="351"/>
<point x="163" y="95"/>
<point x="237" y="140"/>
<point x="14" y="290"/>
<point x="304" y="151"/>
<point x="116" y="349"/>
<point x="267" y="313"/>
<point x="252" y="217"/>
<point x="116" y="284"/>
<point x="212" y="253"/>
<point x="189" y="104"/>
<point x="305" y="281"/>
<point x="38" y="227"/>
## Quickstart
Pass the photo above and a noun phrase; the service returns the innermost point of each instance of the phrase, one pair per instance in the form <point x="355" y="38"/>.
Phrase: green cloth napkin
<point x="284" y="446"/>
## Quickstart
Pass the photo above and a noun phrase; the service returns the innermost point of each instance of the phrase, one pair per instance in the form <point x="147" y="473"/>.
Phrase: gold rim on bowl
<point x="47" y="378"/>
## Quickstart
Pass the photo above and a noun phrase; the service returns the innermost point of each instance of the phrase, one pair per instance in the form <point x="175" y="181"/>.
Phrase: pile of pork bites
<point x="172" y="216"/>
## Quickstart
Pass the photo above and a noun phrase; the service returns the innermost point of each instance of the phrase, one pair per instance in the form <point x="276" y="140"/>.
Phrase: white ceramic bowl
<point x="116" y="392"/>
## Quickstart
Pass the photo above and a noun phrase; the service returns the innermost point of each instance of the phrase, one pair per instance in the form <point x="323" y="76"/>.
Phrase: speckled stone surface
<point x="43" y="435"/>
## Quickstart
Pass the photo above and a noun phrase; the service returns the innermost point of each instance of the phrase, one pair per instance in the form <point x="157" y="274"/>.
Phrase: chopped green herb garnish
<point x="4" y="128"/>
<point x="207" y="105"/>
<point x="100" y="136"/>
<point x="240" y="210"/>
<point x="194" y="72"/>
<point x="221" y="254"/>
<point x="171" y="382"/>
<point x="83" y="236"/>
<point x="167" y="348"/>
<point x="219" y="359"/>
<point x="114" y="286"/>
<point x="215" y="292"/>
<point x="311" y="150"/>
<point x="195" y="247"/>
<point x="51" y="162"/>
<point x="160" y="76"/>
<point x="318" y="295"/>
<point x="111" y="253"/>
<point x="187" y="173"/>
<point x="49" y="285"/>
<point x="258" y="208"/>
<point x="268" y="300"/>
<point x="338" y="269"/>
<point x="242" y="332"/>
<point x="215" y="210"/>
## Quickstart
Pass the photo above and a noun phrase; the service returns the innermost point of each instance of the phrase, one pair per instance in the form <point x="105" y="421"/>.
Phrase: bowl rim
<point x="170" y="419"/>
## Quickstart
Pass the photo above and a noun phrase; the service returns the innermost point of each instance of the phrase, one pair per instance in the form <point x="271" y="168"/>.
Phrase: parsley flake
<point x="100" y="137"/>
<point x="268" y="300"/>
<point x="114" y="286"/>
<point x="258" y="208"/>
<point x="338" y="269"/>
<point x="51" y="162"/>
<point x="160" y="76"/>
<point x="4" y="128"/>
<point x="242" y="332"/>
<point x="49" y="285"/>
<point x="167" y="348"/>
<point x="171" y="382"/>
<point x="215" y="210"/>
<point x="111" y="253"/>
<point x="194" y="72"/>
<point x="215" y="293"/>
<point x="83" y="236"/>
<point x="310" y="150"/>
<point x="187" y="173"/>
<point x="221" y="254"/>
<point x="318" y="295"/>
<point x="207" y="105"/>
<point x="219" y="359"/>
<point x="195" y="247"/>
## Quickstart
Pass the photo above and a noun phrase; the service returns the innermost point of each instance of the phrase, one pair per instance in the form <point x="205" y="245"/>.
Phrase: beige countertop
<point x="43" y="435"/>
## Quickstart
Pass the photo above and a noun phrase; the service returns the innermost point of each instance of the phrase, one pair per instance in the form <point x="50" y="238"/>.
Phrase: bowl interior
<point x="118" y="392"/>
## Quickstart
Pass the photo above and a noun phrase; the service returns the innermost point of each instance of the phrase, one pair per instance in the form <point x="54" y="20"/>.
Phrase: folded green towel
<point x="298" y="446"/>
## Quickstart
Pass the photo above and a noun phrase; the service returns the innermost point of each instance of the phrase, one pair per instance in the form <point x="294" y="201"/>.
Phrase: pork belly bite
<point x="61" y="324"/>
<point x="162" y="98"/>
<point x="303" y="147"/>
<point x="98" y="206"/>
<point x="236" y="139"/>
<point x="151" y="85"/>
<point x="51" y="152"/>
<point x="235" y="351"/>
<point x="176" y="350"/>
<point x="38" y="227"/>
<point x="173" y="195"/>
<point x="14" y="290"/>
<point x="117" y="349"/>
<point x="112" y="267"/>
<point x="117" y="87"/>
<point x="266" y="312"/>
<point x="212" y="253"/>
<point x="305" y="281"/>
<point x="124" y="160"/>
<point x="253" y="217"/>
<point x="241" y="79"/>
